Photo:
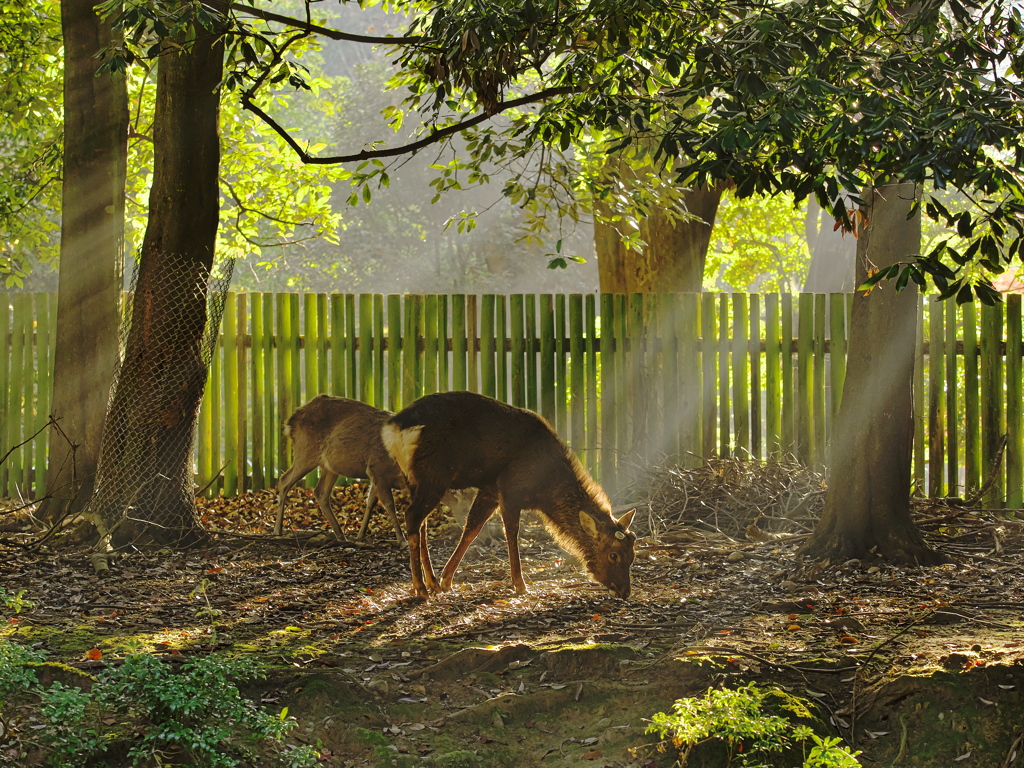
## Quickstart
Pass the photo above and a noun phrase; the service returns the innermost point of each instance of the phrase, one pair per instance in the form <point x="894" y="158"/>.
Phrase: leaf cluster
<point x="31" y="146"/>
<point x="817" y="98"/>
<point x="195" y="713"/>
<point x="742" y="720"/>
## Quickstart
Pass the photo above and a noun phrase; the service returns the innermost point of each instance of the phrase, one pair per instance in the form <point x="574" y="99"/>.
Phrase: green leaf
<point x="964" y="225"/>
<point x="901" y="281"/>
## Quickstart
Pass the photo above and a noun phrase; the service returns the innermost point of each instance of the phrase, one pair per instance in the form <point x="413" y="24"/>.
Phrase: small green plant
<point x="72" y="730"/>
<point x="14" y="601"/>
<point x="207" y="613"/>
<point x="15" y="672"/>
<point x="736" y="717"/>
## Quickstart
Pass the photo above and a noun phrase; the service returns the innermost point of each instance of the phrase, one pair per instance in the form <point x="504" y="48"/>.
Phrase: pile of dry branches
<point x="728" y="496"/>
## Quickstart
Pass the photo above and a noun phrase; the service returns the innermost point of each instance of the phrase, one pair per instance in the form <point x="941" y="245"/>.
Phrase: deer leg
<point x="288" y="479"/>
<point x="371" y="499"/>
<point x="483" y="507"/>
<point x="323" y="500"/>
<point x="423" y="502"/>
<point x="387" y="500"/>
<point x="510" y="516"/>
<point x="429" y="579"/>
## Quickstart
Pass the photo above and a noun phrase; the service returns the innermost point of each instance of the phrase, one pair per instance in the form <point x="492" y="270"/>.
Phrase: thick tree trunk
<point x="674" y="258"/>
<point x="144" y="493"/>
<point x="867" y="506"/>
<point x="92" y="246"/>
<point x="673" y="261"/>
<point x="833" y="255"/>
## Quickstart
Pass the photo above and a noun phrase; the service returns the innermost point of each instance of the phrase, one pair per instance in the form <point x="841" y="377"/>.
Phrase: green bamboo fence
<point x="625" y="379"/>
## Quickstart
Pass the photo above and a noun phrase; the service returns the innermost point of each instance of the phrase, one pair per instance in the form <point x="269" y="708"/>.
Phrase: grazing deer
<point x="342" y="438"/>
<point x="454" y="440"/>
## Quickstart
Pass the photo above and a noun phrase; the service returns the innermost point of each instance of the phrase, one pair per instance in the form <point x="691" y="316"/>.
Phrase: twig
<point x="903" y="742"/>
<point x="220" y="471"/>
<point x="58" y="524"/>
<point x="993" y="474"/>
<point x="333" y="34"/>
<point x="1011" y="753"/>
<point x="28" y="440"/>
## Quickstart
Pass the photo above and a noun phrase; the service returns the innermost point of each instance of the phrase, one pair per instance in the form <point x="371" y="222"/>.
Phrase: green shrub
<point x="736" y="718"/>
<point x="71" y="733"/>
<point x="16" y="672"/>
<point x="193" y="713"/>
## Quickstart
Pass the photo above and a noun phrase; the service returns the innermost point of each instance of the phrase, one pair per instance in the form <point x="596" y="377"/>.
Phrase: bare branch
<point x="433" y="137"/>
<point x="333" y="34"/>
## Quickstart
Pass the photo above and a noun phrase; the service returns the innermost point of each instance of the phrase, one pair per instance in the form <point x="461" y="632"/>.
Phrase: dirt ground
<point x="913" y="666"/>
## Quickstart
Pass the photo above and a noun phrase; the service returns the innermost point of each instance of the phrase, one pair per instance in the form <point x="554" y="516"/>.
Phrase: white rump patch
<point x="401" y="444"/>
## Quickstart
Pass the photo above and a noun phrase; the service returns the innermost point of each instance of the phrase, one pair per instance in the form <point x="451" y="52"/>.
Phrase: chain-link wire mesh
<point x="144" y="489"/>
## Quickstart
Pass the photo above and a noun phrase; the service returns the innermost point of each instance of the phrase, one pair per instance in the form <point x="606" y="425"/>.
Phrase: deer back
<point x="344" y="436"/>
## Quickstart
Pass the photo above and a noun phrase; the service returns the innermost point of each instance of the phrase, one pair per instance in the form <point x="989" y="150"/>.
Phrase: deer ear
<point x="626" y="519"/>
<point x="589" y="524"/>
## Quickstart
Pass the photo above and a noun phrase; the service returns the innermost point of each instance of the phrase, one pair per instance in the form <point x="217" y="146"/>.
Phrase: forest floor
<point x="913" y="666"/>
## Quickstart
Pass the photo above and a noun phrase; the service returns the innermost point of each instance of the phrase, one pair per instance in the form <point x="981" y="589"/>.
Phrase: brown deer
<point x="342" y="438"/>
<point x="454" y="440"/>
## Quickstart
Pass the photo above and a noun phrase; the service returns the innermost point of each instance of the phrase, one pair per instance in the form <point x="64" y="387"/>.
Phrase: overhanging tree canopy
<point x="813" y="98"/>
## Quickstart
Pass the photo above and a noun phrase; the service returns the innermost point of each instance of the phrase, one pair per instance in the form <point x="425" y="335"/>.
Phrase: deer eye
<point x="613" y="556"/>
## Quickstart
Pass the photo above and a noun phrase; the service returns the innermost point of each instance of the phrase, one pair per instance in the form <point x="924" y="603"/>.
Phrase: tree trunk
<point x="674" y="258"/>
<point x="673" y="261"/>
<point x="92" y="248"/>
<point x="833" y="255"/>
<point x="867" y="505"/>
<point x="145" y="493"/>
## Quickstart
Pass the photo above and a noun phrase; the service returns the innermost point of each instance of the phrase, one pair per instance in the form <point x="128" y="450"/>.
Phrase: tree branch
<point x="333" y="34"/>
<point x="432" y="138"/>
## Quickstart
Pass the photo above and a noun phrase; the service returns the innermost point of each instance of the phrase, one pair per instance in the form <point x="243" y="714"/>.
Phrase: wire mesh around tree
<point x="144" y="492"/>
